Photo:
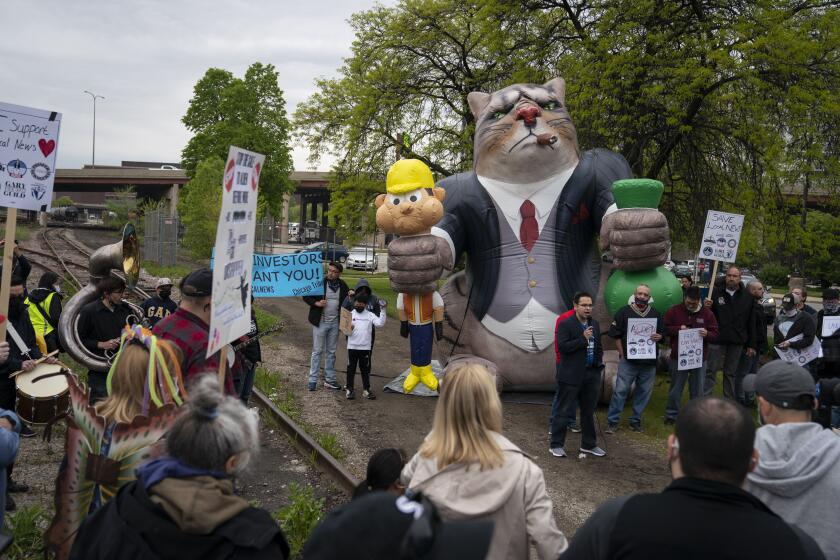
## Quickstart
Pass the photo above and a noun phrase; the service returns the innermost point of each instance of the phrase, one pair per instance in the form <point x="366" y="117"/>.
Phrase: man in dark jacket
<point x="324" y="317"/>
<point x="251" y="356"/>
<point x="642" y="372"/>
<point x="159" y="305"/>
<point x="791" y="322"/>
<point x="100" y="326"/>
<point x="578" y="340"/>
<point x="734" y="309"/>
<point x="45" y="309"/>
<point x="829" y="365"/>
<point x="687" y="315"/>
<point x="803" y="294"/>
<point x="749" y="363"/>
<point x="704" y="512"/>
<point x="20" y="264"/>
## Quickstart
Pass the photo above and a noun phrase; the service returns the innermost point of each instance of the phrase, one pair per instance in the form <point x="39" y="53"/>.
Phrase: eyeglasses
<point x="584" y="305"/>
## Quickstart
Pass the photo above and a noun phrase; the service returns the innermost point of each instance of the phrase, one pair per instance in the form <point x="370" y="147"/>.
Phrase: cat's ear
<point x="558" y="87"/>
<point x="478" y="100"/>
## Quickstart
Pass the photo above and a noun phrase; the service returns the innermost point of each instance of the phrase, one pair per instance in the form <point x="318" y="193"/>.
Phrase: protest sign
<point x="721" y="236"/>
<point x="640" y="346"/>
<point x="230" y="312"/>
<point x="830" y="325"/>
<point x="286" y="275"/>
<point x="28" y="146"/>
<point x="800" y="356"/>
<point x="689" y="349"/>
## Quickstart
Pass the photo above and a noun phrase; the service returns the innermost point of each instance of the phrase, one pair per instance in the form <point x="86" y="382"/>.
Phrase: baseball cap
<point x="782" y="383"/>
<point x="381" y="526"/>
<point x="163" y="282"/>
<point x="831" y="293"/>
<point x="198" y="283"/>
<point x="790" y="300"/>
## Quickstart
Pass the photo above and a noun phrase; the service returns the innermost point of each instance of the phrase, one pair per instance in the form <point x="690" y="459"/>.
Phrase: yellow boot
<point x="413" y="378"/>
<point x="428" y="377"/>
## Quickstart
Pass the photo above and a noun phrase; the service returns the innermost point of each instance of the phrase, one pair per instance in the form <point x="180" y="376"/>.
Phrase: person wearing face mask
<point x="160" y="305"/>
<point x="640" y="372"/>
<point x="688" y="315"/>
<point x="704" y="512"/>
<point x="791" y="322"/>
<point x="829" y="364"/>
<point x="184" y="505"/>
<point x="803" y="293"/>
<point x="45" y="309"/>
<point x="189" y="327"/>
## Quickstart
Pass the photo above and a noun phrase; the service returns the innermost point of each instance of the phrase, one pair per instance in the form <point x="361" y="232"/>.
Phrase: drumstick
<point x="38" y="361"/>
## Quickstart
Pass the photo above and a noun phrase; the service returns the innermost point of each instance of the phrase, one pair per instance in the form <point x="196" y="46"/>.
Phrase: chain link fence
<point x="161" y="238"/>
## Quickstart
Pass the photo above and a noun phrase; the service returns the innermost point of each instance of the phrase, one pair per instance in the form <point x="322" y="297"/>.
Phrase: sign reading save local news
<point x="230" y="310"/>
<point x="721" y="236"/>
<point x="28" y="146"/>
<point x="287" y="275"/>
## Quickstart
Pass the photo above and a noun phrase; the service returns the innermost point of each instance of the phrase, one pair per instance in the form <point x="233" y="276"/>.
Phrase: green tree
<point x="714" y="99"/>
<point x="247" y="112"/>
<point x="202" y="197"/>
<point x="352" y="211"/>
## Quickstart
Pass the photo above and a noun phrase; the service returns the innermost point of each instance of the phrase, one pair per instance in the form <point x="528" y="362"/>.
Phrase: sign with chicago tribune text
<point x="721" y="236"/>
<point x="28" y="146"/>
<point x="230" y="311"/>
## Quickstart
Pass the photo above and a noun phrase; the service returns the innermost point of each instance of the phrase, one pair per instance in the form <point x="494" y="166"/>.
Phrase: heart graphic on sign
<point x="229" y="175"/>
<point x="2" y="319"/>
<point x="255" y="178"/>
<point x="47" y="146"/>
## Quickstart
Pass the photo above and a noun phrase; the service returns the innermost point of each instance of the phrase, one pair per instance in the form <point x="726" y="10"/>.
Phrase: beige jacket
<point x="513" y="497"/>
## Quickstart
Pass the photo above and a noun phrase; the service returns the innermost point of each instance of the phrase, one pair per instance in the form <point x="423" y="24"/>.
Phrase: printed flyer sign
<point x="289" y="275"/>
<point x="639" y="344"/>
<point x="689" y="349"/>
<point x="28" y="146"/>
<point x="800" y="356"/>
<point x="721" y="236"/>
<point x="830" y="325"/>
<point x="230" y="314"/>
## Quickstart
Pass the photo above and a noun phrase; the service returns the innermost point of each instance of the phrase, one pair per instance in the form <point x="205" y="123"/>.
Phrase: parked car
<point x="294" y="232"/>
<point x="363" y="258"/>
<point x="329" y="251"/>
<point x="311" y="231"/>
<point x="669" y="265"/>
<point x="681" y="269"/>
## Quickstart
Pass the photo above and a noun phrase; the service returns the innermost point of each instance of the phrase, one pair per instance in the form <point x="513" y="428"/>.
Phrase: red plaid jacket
<point x="189" y="333"/>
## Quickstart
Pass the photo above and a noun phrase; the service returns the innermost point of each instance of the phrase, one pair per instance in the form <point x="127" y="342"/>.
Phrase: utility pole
<point x="94" y="97"/>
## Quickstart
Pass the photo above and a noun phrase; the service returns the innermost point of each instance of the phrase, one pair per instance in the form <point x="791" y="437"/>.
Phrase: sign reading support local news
<point x="689" y="349"/>
<point x="28" y="145"/>
<point x="800" y="356"/>
<point x="296" y="274"/>
<point x="721" y="236"/>
<point x="230" y="312"/>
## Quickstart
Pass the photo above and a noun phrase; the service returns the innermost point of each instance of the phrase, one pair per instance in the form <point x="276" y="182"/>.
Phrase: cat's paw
<point x="637" y="238"/>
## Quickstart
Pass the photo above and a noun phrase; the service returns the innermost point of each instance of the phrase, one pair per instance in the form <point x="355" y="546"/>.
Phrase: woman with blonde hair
<point x="106" y="443"/>
<point x="469" y="470"/>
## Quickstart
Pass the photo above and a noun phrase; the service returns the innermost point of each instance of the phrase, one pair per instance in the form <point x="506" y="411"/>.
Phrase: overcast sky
<point x="145" y="56"/>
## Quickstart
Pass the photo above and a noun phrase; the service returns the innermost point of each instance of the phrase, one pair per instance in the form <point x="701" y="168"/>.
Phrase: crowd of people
<point x="468" y="491"/>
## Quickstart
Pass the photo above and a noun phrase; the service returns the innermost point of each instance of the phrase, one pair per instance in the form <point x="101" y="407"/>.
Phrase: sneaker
<point x="351" y="394"/>
<point x="10" y="503"/>
<point x="313" y="386"/>
<point x="368" y="395"/>
<point x="557" y="451"/>
<point x="332" y="385"/>
<point x="26" y="431"/>
<point x="597" y="451"/>
<point x="611" y="428"/>
<point x="16" y="487"/>
<point x="636" y="428"/>
<point x="574" y="427"/>
<point x="670" y="421"/>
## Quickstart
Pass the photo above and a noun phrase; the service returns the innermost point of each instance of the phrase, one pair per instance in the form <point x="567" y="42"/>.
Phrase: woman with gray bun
<point x="183" y="506"/>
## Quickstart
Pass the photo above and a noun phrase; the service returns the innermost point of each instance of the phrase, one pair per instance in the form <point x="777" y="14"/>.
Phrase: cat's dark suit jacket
<point x="472" y="222"/>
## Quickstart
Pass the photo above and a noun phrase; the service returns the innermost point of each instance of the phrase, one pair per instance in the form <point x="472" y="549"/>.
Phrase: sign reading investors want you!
<point x="230" y="312"/>
<point x="28" y="145"/>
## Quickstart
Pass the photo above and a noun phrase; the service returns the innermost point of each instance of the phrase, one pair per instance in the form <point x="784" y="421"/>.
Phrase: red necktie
<point x="528" y="229"/>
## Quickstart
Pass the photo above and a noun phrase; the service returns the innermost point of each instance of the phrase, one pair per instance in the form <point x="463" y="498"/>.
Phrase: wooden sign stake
<point x="8" y="253"/>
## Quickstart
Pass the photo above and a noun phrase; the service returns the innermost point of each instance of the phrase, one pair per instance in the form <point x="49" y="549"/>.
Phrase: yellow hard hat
<point x="407" y="175"/>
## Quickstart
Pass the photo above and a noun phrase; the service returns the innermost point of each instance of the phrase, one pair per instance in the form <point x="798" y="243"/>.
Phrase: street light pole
<point x="94" y="97"/>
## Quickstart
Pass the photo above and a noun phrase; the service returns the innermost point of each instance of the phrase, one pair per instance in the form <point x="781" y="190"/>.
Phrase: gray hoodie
<point x="513" y="496"/>
<point x="798" y="477"/>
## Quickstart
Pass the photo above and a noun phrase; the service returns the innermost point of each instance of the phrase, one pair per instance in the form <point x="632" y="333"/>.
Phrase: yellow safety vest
<point x="39" y="322"/>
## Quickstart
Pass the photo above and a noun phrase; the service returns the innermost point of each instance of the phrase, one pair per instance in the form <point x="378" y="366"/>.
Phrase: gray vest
<point x="524" y="275"/>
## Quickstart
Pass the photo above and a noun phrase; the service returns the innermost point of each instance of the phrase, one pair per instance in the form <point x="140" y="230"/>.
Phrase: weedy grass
<point x="300" y="517"/>
<point x="27" y="526"/>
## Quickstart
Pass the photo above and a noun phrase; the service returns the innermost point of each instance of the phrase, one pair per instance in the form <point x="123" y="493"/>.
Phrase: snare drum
<point x="42" y="394"/>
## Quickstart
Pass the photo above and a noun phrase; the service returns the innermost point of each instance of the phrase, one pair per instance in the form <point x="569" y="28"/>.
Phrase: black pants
<point x="362" y="358"/>
<point x="8" y="398"/>
<point x="586" y="394"/>
<point x="98" y="388"/>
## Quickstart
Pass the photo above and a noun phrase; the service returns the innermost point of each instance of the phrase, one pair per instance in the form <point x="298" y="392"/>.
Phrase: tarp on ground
<point x="396" y="384"/>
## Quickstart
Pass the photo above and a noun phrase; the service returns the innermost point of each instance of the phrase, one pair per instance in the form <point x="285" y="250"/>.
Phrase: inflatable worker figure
<point x="411" y="207"/>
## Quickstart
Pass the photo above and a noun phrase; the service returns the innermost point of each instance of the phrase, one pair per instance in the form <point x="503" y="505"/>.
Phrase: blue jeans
<point x="324" y="339"/>
<point x="247" y="384"/>
<point x="628" y="373"/>
<point x="696" y="378"/>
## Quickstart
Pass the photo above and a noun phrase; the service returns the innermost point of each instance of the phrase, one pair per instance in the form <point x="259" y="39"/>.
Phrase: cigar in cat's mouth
<point x="546" y="139"/>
